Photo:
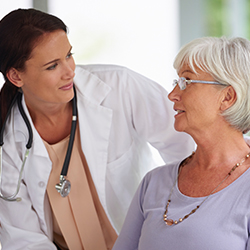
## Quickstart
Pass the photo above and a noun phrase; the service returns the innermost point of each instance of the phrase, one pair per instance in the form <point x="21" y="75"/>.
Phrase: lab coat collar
<point x="90" y="85"/>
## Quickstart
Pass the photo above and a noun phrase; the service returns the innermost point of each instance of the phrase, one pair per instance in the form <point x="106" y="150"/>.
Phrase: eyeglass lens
<point x="182" y="83"/>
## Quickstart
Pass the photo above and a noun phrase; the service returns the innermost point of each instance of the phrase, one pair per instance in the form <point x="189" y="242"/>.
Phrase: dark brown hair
<point x="19" y="32"/>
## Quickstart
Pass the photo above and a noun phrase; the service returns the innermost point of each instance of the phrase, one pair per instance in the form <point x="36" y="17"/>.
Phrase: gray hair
<point x="228" y="62"/>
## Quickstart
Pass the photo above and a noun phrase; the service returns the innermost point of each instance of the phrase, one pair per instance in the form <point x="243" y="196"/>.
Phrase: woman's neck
<point x="216" y="150"/>
<point x="52" y="123"/>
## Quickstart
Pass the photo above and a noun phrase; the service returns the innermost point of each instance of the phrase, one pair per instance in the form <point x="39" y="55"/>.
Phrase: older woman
<point x="203" y="201"/>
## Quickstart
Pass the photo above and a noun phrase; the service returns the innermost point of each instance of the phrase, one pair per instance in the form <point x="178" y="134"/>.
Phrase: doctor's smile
<point x="67" y="87"/>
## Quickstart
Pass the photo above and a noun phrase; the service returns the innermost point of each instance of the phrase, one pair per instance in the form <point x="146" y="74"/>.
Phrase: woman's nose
<point x="175" y="94"/>
<point x="69" y="70"/>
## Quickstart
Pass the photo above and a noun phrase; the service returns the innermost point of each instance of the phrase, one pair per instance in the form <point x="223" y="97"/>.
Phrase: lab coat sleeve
<point x="12" y="234"/>
<point x="153" y="118"/>
<point x="19" y="224"/>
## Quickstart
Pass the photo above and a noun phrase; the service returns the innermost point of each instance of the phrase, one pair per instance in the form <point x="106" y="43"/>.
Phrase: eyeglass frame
<point x="185" y="81"/>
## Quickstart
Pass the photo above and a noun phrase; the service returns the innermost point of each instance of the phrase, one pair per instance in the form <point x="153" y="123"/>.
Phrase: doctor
<point x="93" y="122"/>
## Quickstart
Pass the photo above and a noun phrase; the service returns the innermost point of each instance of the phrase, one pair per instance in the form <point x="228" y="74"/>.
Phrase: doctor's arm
<point x="20" y="227"/>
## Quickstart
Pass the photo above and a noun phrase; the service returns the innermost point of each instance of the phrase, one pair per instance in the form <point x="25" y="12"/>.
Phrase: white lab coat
<point x="119" y="112"/>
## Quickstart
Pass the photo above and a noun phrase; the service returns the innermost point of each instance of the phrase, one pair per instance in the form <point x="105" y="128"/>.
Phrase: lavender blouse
<point x="221" y="223"/>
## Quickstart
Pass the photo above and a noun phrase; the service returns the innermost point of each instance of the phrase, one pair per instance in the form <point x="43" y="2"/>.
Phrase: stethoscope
<point x="64" y="186"/>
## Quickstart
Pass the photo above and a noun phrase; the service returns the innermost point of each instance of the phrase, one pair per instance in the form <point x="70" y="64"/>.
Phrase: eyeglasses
<point x="182" y="82"/>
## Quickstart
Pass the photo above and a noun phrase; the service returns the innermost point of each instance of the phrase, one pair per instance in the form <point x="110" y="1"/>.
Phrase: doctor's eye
<point x="52" y="67"/>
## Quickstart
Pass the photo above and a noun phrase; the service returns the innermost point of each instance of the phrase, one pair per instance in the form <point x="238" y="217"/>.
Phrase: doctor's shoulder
<point x="115" y="75"/>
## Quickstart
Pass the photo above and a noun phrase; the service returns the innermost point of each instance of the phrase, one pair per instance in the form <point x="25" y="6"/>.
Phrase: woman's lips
<point x="67" y="87"/>
<point x="179" y="111"/>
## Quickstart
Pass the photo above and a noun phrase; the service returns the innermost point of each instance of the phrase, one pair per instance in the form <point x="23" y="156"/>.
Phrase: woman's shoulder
<point x="157" y="181"/>
<point x="162" y="173"/>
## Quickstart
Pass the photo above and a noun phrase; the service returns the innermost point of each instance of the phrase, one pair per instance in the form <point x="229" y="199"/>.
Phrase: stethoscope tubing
<point x="12" y="197"/>
<point x="17" y="97"/>
<point x="7" y="115"/>
<point x="64" y="186"/>
<point x="72" y="136"/>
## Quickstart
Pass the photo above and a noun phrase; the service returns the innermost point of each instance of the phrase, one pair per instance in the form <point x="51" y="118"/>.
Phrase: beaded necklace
<point x="171" y="222"/>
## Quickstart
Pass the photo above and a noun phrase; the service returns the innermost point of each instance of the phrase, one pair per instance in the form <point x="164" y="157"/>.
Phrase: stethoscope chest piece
<point x="63" y="187"/>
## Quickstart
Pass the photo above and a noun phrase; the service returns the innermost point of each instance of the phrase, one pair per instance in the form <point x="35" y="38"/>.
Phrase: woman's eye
<point x="52" y="67"/>
<point x="69" y="55"/>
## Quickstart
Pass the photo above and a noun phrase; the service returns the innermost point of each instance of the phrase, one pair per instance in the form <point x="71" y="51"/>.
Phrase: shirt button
<point x="41" y="184"/>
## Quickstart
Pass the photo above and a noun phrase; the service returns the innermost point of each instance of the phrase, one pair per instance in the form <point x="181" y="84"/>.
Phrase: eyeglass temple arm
<point x="207" y="82"/>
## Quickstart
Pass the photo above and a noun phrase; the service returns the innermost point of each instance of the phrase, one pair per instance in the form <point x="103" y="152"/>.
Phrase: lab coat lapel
<point x="38" y="166"/>
<point x="95" y="124"/>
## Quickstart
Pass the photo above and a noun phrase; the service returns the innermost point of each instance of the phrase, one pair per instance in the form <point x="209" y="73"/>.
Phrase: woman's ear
<point x="229" y="98"/>
<point x="14" y="77"/>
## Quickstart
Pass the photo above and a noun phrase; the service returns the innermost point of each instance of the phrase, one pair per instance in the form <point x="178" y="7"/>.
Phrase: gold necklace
<point x="171" y="222"/>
